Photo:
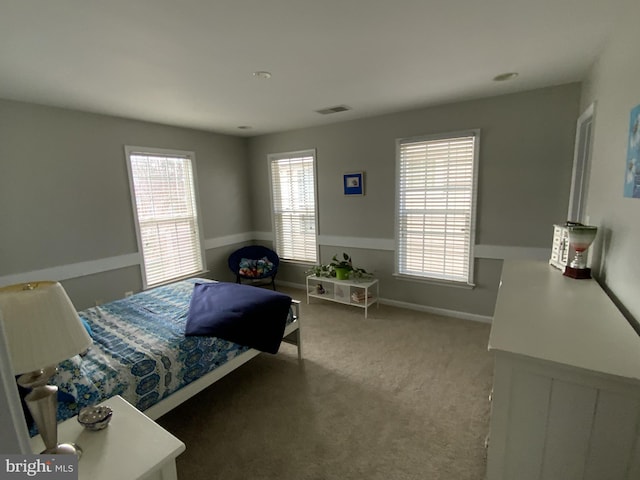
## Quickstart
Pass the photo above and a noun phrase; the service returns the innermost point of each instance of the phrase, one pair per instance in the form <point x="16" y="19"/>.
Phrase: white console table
<point x="131" y="447"/>
<point x="351" y="292"/>
<point x="566" y="393"/>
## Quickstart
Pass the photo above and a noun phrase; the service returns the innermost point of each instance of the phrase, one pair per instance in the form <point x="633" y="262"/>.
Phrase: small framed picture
<point x="353" y="183"/>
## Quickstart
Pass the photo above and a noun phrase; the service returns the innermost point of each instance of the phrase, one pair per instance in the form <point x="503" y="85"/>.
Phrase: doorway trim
<point x="581" y="165"/>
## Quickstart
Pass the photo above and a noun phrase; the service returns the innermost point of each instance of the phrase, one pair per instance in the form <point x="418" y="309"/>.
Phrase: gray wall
<point x="64" y="192"/>
<point x="613" y="84"/>
<point x="524" y="178"/>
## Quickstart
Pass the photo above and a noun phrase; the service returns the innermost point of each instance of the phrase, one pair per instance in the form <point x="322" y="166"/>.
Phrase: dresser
<point x="566" y="389"/>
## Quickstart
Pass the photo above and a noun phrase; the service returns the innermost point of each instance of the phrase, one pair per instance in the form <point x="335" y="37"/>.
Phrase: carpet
<point x="400" y="395"/>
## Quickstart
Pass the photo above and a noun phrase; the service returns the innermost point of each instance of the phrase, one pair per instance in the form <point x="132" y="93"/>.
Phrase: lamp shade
<point x="41" y="325"/>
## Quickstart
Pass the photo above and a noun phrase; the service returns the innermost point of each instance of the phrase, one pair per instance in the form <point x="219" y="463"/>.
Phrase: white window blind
<point x="436" y="206"/>
<point x="166" y="214"/>
<point x="294" y="205"/>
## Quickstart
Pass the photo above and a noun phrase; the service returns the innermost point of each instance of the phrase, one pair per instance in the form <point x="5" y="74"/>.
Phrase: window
<point x="435" y="217"/>
<point x="294" y="205"/>
<point x="166" y="213"/>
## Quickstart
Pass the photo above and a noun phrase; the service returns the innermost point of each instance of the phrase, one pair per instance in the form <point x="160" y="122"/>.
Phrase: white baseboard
<point x="409" y="306"/>
<point x="437" y="311"/>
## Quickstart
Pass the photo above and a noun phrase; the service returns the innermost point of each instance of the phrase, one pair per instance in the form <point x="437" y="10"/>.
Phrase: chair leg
<point x="273" y="282"/>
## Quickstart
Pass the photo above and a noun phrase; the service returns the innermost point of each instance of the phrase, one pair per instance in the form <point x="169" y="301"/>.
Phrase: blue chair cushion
<point x="255" y="268"/>
<point x="254" y="262"/>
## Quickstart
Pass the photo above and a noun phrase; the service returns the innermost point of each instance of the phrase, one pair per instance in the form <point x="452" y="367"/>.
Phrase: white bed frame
<point x="291" y="335"/>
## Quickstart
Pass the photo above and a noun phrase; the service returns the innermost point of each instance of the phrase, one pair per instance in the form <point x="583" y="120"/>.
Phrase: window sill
<point x="433" y="281"/>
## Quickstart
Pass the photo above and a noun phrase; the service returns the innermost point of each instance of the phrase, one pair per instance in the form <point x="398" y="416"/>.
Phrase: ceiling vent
<point x="330" y="110"/>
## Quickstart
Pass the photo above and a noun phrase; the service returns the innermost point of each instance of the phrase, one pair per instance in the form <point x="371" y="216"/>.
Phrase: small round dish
<point x="95" y="418"/>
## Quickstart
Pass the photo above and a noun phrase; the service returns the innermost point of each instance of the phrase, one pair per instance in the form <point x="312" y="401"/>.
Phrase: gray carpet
<point x="401" y="395"/>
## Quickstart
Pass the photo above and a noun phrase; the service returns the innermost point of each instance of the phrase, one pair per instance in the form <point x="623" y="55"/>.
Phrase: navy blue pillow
<point x="242" y="314"/>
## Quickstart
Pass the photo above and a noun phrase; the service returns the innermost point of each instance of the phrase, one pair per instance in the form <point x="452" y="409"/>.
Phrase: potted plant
<point x="358" y="274"/>
<point x="341" y="267"/>
<point x="320" y="271"/>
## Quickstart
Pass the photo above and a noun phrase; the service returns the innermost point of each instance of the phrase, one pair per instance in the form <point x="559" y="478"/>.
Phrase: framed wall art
<point x="353" y="183"/>
<point x="632" y="170"/>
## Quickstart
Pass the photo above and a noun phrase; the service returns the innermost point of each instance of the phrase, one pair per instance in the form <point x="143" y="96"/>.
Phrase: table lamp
<point x="42" y="329"/>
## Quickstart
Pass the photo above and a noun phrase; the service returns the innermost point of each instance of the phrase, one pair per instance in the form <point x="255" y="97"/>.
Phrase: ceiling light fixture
<point x="261" y="74"/>
<point x="336" y="109"/>
<point x="244" y="127"/>
<point x="503" y="77"/>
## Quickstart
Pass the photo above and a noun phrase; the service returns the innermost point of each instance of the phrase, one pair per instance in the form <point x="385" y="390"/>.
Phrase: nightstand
<point x="132" y="446"/>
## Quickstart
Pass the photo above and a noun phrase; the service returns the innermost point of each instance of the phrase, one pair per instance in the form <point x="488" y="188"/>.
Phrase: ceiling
<point x="191" y="62"/>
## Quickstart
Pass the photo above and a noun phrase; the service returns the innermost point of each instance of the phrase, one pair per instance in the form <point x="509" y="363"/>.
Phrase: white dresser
<point x="566" y="393"/>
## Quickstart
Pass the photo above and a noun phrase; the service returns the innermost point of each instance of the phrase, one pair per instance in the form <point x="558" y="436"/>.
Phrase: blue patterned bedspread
<point x="140" y="351"/>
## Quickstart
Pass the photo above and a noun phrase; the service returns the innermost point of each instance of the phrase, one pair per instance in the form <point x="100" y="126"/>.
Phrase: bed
<point x="141" y="353"/>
